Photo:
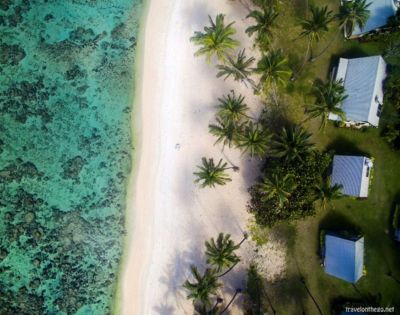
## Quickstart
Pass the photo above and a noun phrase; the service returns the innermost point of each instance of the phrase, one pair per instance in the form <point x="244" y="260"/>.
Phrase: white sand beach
<point x="171" y="216"/>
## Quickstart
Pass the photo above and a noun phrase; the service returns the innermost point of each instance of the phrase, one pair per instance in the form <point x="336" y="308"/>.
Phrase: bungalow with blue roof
<point x="379" y="13"/>
<point x="363" y="82"/>
<point x="344" y="257"/>
<point x="352" y="173"/>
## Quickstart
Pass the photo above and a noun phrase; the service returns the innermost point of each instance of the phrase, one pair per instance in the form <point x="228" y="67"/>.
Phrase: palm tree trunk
<point x="326" y="48"/>
<point x="231" y="301"/>
<point x="246" y="78"/>
<point x="234" y="167"/>
<point x="227" y="271"/>
<point x="295" y="76"/>
<point x="245" y="236"/>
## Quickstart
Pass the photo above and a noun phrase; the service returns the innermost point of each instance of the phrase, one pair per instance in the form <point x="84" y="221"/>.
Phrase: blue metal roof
<point x="380" y="11"/>
<point x="344" y="258"/>
<point x="360" y="79"/>
<point x="348" y="171"/>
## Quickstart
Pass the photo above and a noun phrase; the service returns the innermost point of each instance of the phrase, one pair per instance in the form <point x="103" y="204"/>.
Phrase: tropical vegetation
<point x="211" y="174"/>
<point x="297" y="92"/>
<point x="216" y="40"/>
<point x="204" y="289"/>
<point x="328" y="100"/>
<point x="353" y="13"/>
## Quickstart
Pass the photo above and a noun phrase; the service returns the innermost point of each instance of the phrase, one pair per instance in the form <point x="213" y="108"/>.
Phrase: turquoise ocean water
<point x="66" y="88"/>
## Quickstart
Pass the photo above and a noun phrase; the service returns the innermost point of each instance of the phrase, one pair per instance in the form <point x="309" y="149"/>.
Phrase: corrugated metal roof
<point x="344" y="258"/>
<point x="349" y="171"/>
<point x="380" y="11"/>
<point x="361" y="79"/>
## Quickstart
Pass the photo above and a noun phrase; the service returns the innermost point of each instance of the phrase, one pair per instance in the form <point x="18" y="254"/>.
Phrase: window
<point x="379" y="111"/>
<point x="368" y="169"/>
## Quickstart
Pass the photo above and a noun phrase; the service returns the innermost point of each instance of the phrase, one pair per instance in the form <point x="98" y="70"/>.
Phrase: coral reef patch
<point x="66" y="88"/>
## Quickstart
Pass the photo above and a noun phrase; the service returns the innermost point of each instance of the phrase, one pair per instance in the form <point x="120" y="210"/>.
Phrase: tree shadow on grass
<point x="287" y="294"/>
<point x="342" y="145"/>
<point x="337" y="222"/>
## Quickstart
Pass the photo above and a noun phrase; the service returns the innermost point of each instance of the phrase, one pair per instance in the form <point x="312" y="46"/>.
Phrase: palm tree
<point x="329" y="97"/>
<point x="352" y="13"/>
<point x="291" y="144"/>
<point x="225" y="131"/>
<point x="210" y="174"/>
<point x="220" y="253"/>
<point x="265" y="21"/>
<point x="231" y="108"/>
<point x="277" y="187"/>
<point x="215" y="40"/>
<point x="253" y="139"/>
<point x="203" y="288"/>
<point x="238" y="68"/>
<point x="274" y="69"/>
<point x="316" y="26"/>
<point x="325" y="192"/>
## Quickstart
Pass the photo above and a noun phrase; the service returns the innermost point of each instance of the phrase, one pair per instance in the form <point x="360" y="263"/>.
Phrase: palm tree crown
<point x="291" y="144"/>
<point x="220" y="253"/>
<point x="352" y="13"/>
<point x="232" y="108"/>
<point x="216" y="40"/>
<point x="273" y="68"/>
<point x="238" y="68"/>
<point x="253" y="139"/>
<point x="318" y="24"/>
<point x="210" y="174"/>
<point x="325" y="192"/>
<point x="225" y="131"/>
<point x="265" y="21"/>
<point x="203" y="287"/>
<point x="277" y="187"/>
<point x="329" y="97"/>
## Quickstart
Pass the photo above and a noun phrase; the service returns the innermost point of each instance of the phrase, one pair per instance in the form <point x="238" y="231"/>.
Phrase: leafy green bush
<point x="306" y="175"/>
<point x="391" y="132"/>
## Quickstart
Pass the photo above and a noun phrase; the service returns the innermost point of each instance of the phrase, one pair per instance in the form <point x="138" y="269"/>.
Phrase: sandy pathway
<point x="172" y="216"/>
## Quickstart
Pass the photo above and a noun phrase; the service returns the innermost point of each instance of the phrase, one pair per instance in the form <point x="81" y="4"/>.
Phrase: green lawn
<point x="371" y="216"/>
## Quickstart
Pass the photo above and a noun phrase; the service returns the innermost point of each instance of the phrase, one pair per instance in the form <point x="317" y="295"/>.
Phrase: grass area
<point x="371" y="216"/>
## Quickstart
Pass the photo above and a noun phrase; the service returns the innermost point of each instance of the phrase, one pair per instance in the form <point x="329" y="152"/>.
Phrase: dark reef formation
<point x="66" y="75"/>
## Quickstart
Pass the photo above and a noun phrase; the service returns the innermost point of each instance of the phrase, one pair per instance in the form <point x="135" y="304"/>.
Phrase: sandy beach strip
<point x="169" y="216"/>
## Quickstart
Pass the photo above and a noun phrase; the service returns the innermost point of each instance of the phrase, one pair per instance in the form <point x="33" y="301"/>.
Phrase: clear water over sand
<point x="66" y="88"/>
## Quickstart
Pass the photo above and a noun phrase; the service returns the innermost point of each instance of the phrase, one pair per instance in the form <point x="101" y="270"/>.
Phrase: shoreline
<point x="135" y="154"/>
<point x="137" y="221"/>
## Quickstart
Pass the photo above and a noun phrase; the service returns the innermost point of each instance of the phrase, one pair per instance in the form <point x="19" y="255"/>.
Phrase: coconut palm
<point x="329" y="97"/>
<point x="277" y="187"/>
<point x="273" y="68"/>
<point x="265" y="21"/>
<point x="216" y="40"/>
<point x="315" y="27"/>
<point x="231" y="108"/>
<point x="225" y="131"/>
<point x="325" y="192"/>
<point x="210" y="174"/>
<point x="352" y="13"/>
<point x="238" y="68"/>
<point x="203" y="287"/>
<point x="220" y="253"/>
<point x="291" y="143"/>
<point x="253" y="139"/>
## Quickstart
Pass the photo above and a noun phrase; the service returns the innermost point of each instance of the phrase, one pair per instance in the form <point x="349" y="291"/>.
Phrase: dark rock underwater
<point x="66" y="88"/>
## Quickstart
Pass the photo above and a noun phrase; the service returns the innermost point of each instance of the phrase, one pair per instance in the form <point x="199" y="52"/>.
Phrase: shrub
<point x="306" y="174"/>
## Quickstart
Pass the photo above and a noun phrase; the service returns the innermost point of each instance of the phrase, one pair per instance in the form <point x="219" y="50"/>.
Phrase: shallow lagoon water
<point x="66" y="88"/>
